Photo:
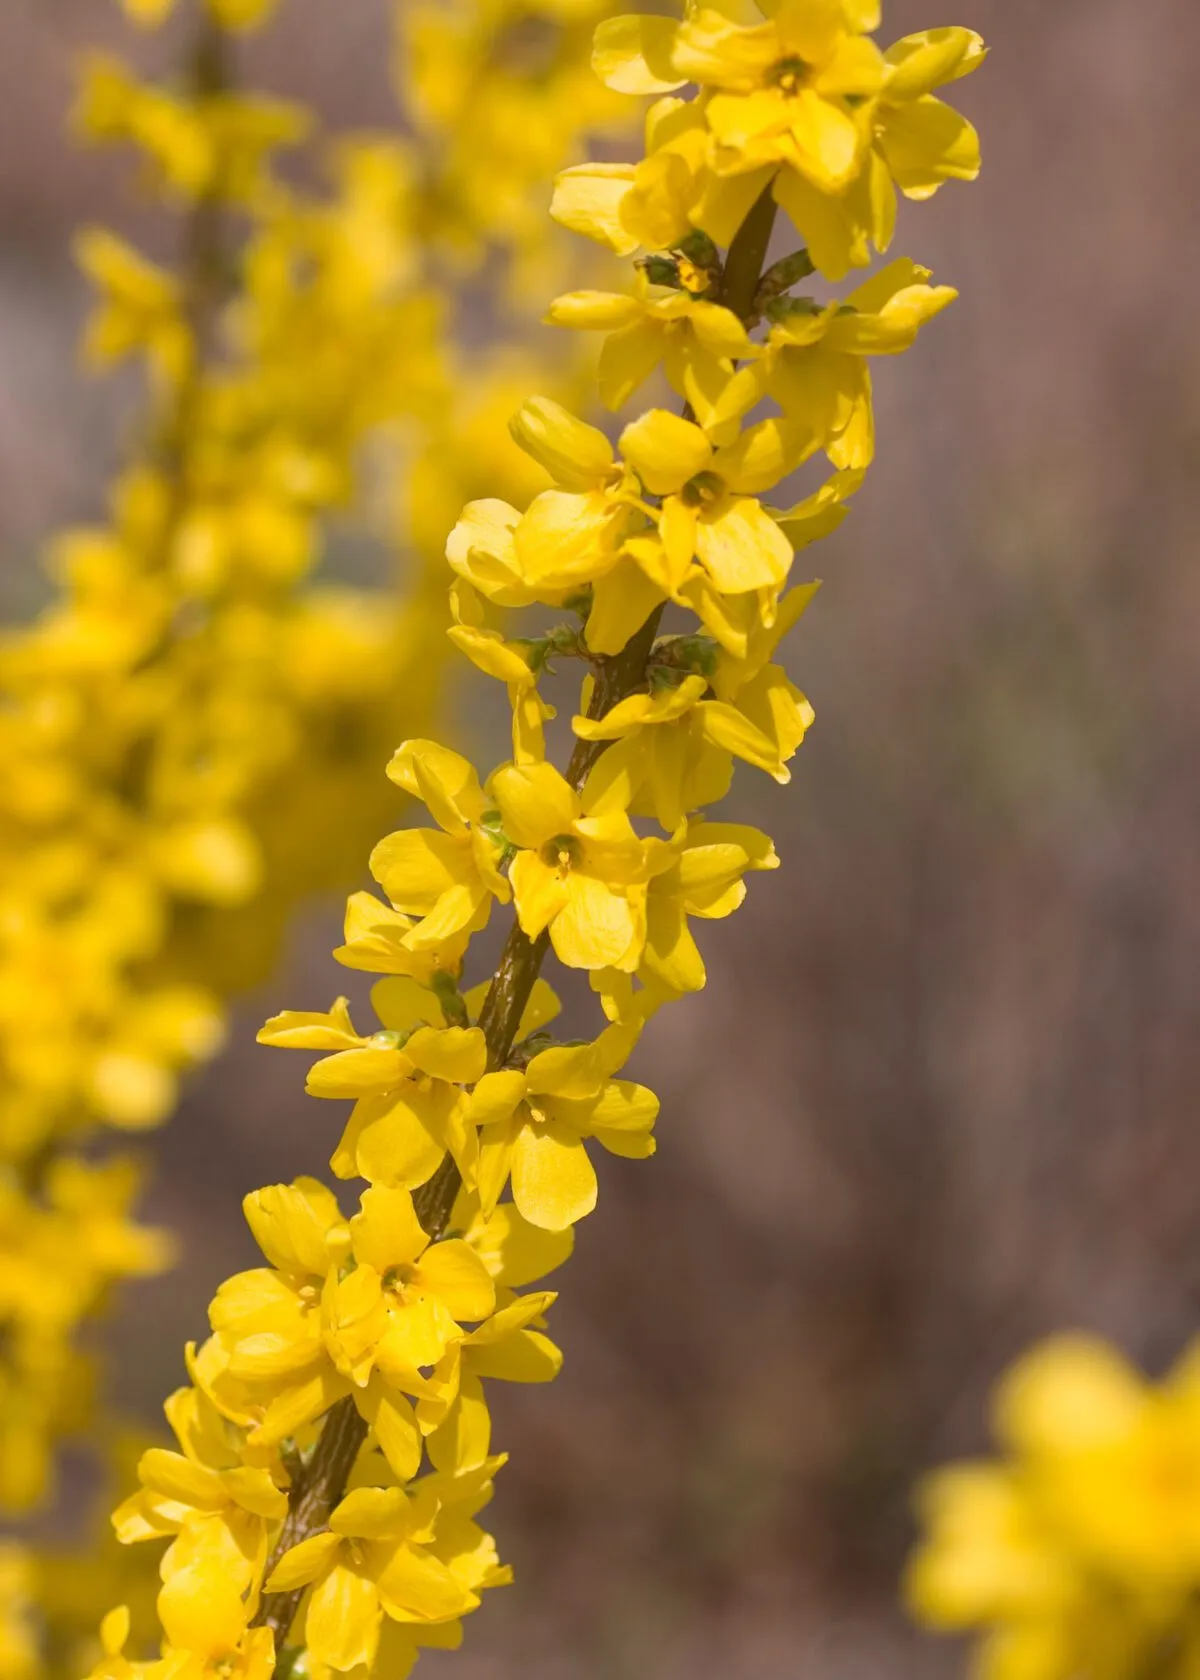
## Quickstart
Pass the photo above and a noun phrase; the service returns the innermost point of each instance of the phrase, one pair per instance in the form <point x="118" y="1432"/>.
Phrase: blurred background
<point x="939" y="1096"/>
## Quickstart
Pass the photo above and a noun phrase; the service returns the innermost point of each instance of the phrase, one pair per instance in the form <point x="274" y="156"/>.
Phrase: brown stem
<point x="318" y="1489"/>
<point x="321" y="1485"/>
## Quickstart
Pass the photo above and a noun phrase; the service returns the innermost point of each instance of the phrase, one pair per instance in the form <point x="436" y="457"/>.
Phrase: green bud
<point x="660" y="271"/>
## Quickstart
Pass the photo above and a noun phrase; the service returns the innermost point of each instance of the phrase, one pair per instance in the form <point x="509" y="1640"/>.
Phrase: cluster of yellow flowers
<point x="1079" y="1554"/>
<point x="184" y="666"/>
<point x="335" y="1440"/>
<point x="185" y="727"/>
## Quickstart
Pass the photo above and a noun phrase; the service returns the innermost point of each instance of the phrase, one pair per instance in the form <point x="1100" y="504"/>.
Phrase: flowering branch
<point x="363" y="1351"/>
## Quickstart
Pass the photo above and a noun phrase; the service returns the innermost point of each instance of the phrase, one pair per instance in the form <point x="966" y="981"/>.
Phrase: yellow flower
<point x="507" y="1347"/>
<point x="697" y="341"/>
<point x="140" y="307"/>
<point x="448" y="878"/>
<point x="581" y="877"/>
<point x="370" y="1562"/>
<point x="706" y="880"/>
<point x="917" y="143"/>
<point x="814" y="363"/>
<point x="408" y="1106"/>
<point x="533" y="1124"/>
<point x="1114" y="1461"/>
<point x="509" y="663"/>
<point x="794" y="90"/>
<point x="407" y="1298"/>
<point x="221" y="1509"/>
<point x="267" y="1322"/>
<point x="672" y="749"/>
<point x="376" y="940"/>
<point x="657" y="202"/>
<point x="571" y="534"/>
<point x="987" y="1556"/>
<point x="708" y="495"/>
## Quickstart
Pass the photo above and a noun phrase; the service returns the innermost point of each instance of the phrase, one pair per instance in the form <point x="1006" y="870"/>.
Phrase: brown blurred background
<point x="939" y="1097"/>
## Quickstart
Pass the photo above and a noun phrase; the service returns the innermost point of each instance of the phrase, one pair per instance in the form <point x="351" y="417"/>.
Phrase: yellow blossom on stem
<point x="581" y="877"/>
<point x="698" y="342"/>
<point x="533" y="1124"/>
<point x="448" y="879"/>
<point x="814" y="362"/>
<point x="709" y="507"/>
<point x="369" y="1563"/>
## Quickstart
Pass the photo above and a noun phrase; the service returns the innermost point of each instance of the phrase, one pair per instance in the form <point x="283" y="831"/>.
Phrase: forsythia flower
<point x="709" y="506"/>
<point x="533" y="1124"/>
<point x="370" y="1563"/>
<point x="698" y="342"/>
<point x="447" y="879"/>
<point x="581" y="877"/>
<point x="1080" y="1552"/>
<point x="814" y="361"/>
<point x="409" y="1107"/>
<point x="795" y="90"/>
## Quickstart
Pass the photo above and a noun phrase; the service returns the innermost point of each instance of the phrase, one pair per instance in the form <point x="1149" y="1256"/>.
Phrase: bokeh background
<point x="939" y="1097"/>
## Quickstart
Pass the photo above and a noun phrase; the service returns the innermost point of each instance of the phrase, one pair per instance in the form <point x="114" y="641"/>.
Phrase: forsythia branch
<point x="364" y="1348"/>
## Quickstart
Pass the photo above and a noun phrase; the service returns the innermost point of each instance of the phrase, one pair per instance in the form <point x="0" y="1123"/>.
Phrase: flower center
<point x="397" y="1279"/>
<point x="790" y="74"/>
<point x="561" y="854"/>
<point x="703" y="490"/>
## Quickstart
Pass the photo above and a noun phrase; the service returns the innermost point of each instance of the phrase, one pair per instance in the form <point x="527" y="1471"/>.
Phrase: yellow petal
<point x="297" y="1029"/>
<point x="536" y="803"/>
<point x="587" y="199"/>
<point x="175" y="1477"/>
<point x="303" y="1563"/>
<point x="575" y="454"/>
<point x="622" y="601"/>
<point x="458" y="1054"/>
<point x="356" y="1073"/>
<point x="201" y="1610"/>
<point x="292" y="1224"/>
<point x="495" y="1096"/>
<point x="386" y="1232"/>
<point x="445" y="780"/>
<point x="416" y="1584"/>
<point x="514" y="1251"/>
<point x="453" y="1272"/>
<point x="633" y="54"/>
<point x="603" y="311"/>
<point x="553" y="1181"/>
<point x="742" y="548"/>
<point x="402" y="1003"/>
<point x="665" y="450"/>
<point x="372" y="1513"/>
<point x="395" y="1139"/>
<point x="597" y="927"/>
<point x="415" y="866"/>
<point x="342" y="1626"/>
<point x="527" y="1357"/>
<point x="463" y="1440"/>
<point x="391" y="1417"/>
<point x="919" y="63"/>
